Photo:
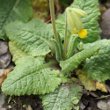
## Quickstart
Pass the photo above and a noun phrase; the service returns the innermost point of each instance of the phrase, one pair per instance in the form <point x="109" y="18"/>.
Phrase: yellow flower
<point x="83" y="33"/>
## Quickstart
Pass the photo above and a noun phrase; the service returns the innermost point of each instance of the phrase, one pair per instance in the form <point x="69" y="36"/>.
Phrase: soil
<point x="21" y="103"/>
<point x="89" y="101"/>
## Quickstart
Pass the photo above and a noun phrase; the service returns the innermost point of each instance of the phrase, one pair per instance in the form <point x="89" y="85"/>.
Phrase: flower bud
<point x="74" y="23"/>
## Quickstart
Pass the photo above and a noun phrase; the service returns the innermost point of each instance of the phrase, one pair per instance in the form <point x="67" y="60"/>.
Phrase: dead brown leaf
<point x="4" y="74"/>
<point x="90" y="84"/>
<point x="101" y="86"/>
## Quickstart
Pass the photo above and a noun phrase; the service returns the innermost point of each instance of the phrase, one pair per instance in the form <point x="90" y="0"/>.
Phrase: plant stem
<point x="52" y="13"/>
<point x="58" y="44"/>
<point x="72" y="44"/>
<point x="66" y="37"/>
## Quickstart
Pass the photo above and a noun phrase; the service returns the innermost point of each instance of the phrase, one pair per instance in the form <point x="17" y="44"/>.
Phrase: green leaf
<point x="97" y="67"/>
<point x="13" y="10"/>
<point x="16" y="52"/>
<point x="65" y="97"/>
<point x="98" y="44"/>
<point x="31" y="76"/>
<point x="90" y="21"/>
<point x="73" y="62"/>
<point x="31" y="37"/>
<point x="22" y="11"/>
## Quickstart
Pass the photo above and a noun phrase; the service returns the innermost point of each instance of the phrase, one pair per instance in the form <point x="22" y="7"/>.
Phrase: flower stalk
<point x="66" y="38"/>
<point x="57" y="42"/>
<point x="52" y="13"/>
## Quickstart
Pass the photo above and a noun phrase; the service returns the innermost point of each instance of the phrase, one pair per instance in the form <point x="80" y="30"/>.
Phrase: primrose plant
<point x="54" y="60"/>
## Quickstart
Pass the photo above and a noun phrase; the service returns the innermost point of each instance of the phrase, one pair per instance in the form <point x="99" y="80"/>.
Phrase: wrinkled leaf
<point x="31" y="76"/>
<point x="65" y="97"/>
<point x="16" y="52"/>
<point x="97" y="67"/>
<point x="73" y="62"/>
<point x="31" y="37"/>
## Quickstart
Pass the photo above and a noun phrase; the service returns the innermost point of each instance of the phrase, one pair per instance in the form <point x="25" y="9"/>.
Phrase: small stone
<point x="3" y="47"/>
<point x="108" y="4"/>
<point x="2" y="100"/>
<point x="9" y="106"/>
<point x="89" y="108"/>
<point x="24" y="106"/>
<point x="2" y="108"/>
<point x="82" y="106"/>
<point x="5" y="60"/>
<point x="1" y="72"/>
<point x="108" y="103"/>
<point x="105" y="24"/>
<point x="102" y="105"/>
<point x="29" y="107"/>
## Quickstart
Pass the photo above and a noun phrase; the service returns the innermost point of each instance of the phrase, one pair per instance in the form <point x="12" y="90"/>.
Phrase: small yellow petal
<point x="83" y="33"/>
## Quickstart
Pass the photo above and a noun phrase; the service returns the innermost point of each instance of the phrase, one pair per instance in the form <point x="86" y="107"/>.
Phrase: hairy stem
<point x="66" y="39"/>
<point x="58" y="50"/>
<point x="52" y="13"/>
